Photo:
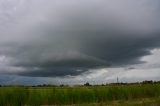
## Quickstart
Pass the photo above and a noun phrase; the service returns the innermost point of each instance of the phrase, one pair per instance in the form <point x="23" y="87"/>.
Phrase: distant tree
<point x="102" y="85"/>
<point x="62" y="85"/>
<point x="87" y="84"/>
<point x="147" y="82"/>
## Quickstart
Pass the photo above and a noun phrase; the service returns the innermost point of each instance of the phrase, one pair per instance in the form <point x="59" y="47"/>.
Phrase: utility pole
<point x="117" y="80"/>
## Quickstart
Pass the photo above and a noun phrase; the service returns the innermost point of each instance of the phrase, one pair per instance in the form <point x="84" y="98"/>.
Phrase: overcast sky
<point x="74" y="41"/>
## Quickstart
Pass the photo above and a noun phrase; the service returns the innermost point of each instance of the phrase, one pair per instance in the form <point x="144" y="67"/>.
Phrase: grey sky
<point x="77" y="38"/>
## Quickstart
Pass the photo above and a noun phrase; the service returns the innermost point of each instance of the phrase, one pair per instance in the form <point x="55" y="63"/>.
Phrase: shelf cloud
<point x="60" y="38"/>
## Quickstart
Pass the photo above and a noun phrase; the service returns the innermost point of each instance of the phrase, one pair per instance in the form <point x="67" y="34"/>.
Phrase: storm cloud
<point x="58" y="38"/>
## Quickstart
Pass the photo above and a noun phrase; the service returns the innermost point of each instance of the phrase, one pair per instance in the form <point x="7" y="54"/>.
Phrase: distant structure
<point x="117" y="80"/>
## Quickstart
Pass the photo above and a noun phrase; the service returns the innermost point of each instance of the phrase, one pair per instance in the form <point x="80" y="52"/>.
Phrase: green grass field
<point x="122" y="95"/>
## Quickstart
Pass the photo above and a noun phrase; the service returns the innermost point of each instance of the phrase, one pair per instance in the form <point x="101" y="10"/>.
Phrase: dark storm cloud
<point x="68" y="38"/>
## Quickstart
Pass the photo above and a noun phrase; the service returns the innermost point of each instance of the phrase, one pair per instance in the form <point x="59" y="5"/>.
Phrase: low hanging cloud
<point x="60" y="38"/>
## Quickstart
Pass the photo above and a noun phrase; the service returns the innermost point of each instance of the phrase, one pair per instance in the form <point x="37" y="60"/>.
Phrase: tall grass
<point x="18" y="96"/>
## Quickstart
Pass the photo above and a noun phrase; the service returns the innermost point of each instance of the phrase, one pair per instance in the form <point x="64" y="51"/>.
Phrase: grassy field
<point x="122" y="95"/>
